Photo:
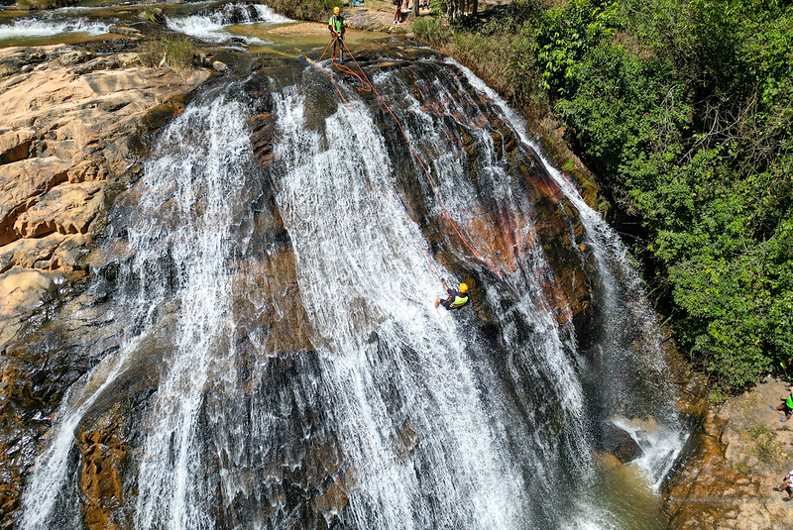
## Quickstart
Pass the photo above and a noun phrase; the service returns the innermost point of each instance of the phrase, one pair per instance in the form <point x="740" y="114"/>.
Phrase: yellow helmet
<point x="336" y="10"/>
<point x="463" y="288"/>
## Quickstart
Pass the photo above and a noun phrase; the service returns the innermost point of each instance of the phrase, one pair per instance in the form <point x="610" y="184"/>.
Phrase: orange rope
<point x="415" y="154"/>
<point x="371" y="149"/>
<point x="366" y="86"/>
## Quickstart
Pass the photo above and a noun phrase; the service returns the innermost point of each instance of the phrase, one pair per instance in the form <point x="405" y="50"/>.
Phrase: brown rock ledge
<point x="730" y="480"/>
<point x="69" y="125"/>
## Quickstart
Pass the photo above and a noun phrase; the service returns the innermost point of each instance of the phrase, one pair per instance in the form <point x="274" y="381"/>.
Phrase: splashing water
<point x="211" y="27"/>
<point x="33" y="27"/>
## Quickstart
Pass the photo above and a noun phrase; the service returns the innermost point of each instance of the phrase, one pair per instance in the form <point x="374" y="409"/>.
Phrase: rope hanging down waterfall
<point x="367" y="86"/>
<point x="377" y="160"/>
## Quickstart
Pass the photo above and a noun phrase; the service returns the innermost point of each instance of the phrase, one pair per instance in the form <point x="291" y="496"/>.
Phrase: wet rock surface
<point x="619" y="442"/>
<point x="70" y="132"/>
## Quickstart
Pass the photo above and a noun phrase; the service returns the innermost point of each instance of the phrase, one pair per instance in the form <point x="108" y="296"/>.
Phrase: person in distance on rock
<point x="786" y="406"/>
<point x="787" y="485"/>
<point x="337" y="26"/>
<point x="457" y="299"/>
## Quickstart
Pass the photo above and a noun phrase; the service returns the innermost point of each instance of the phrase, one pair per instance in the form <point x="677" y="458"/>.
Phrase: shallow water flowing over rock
<point x="265" y="353"/>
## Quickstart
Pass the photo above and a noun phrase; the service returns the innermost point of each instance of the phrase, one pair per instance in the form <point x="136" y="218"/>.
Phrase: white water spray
<point x="34" y="27"/>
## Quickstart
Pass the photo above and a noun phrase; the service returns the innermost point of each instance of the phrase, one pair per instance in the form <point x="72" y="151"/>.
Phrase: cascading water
<point x="629" y="323"/>
<point x="210" y="25"/>
<point x="356" y="256"/>
<point x="34" y="27"/>
<point x="374" y="410"/>
<point x="180" y="242"/>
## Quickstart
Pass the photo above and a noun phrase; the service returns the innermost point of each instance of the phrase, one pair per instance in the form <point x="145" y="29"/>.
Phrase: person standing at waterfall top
<point x="397" y="11"/>
<point x="786" y="406"/>
<point x="337" y="26"/>
<point x="457" y="299"/>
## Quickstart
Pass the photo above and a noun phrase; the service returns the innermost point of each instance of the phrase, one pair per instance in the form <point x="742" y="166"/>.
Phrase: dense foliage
<point x="684" y="108"/>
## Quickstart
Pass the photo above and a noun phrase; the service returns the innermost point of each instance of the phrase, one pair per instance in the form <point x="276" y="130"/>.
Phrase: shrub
<point x="765" y="445"/>
<point x="176" y="52"/>
<point x="152" y="14"/>
<point x="432" y="31"/>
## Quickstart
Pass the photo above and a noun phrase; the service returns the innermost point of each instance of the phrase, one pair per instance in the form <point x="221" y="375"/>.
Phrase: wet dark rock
<point x="124" y="30"/>
<point x="619" y="442"/>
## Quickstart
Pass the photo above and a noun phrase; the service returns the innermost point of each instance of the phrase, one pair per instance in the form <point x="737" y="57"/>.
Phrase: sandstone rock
<point x="103" y="451"/>
<point x="20" y="183"/>
<point x="68" y="122"/>
<point x="48" y="253"/>
<point x="66" y="209"/>
<point x="15" y="144"/>
<point x="23" y="289"/>
<point x="219" y="66"/>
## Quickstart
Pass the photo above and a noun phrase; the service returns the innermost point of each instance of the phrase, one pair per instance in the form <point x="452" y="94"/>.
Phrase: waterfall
<point x="357" y="256"/>
<point x="302" y="376"/>
<point x="203" y="180"/>
<point x="210" y="25"/>
<point x="628" y="316"/>
<point x="180" y="241"/>
<point x="35" y="27"/>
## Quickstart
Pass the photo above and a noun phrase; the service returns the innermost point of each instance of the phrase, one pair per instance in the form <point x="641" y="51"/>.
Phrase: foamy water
<point x="32" y="27"/>
<point x="212" y="27"/>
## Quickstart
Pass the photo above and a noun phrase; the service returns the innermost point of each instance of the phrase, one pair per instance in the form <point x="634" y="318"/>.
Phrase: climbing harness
<point x="458" y="302"/>
<point x="367" y="86"/>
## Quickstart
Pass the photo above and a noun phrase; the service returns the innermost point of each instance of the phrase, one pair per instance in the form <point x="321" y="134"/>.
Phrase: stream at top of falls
<point x="281" y="364"/>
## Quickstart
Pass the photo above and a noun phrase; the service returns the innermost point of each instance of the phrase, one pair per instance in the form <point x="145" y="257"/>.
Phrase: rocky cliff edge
<point x="69" y="127"/>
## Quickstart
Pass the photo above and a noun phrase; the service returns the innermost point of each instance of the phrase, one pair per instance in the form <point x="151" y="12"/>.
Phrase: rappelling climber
<point x="457" y="299"/>
<point x="337" y="26"/>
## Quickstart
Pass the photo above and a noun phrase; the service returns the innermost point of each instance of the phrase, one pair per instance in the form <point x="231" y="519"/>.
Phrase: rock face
<point x="70" y="130"/>
<point x="69" y="124"/>
<point x="103" y="451"/>
<point x="740" y="457"/>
